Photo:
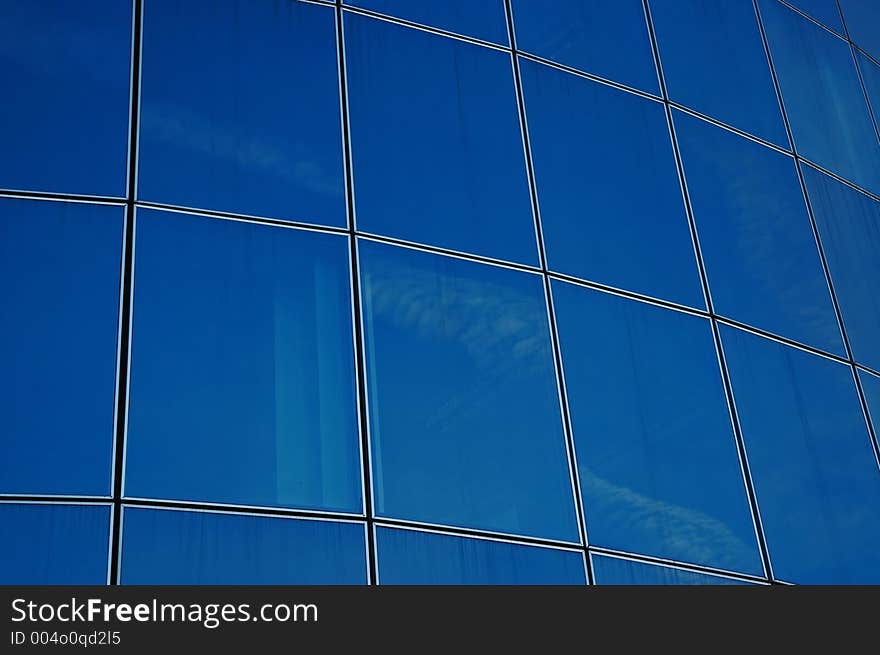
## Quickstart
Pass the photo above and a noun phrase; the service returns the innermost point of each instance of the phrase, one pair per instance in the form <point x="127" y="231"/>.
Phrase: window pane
<point x="871" y="387"/>
<point x="871" y="77"/>
<point x="66" y="66"/>
<point x="618" y="571"/>
<point x="59" y="279"/>
<point x="207" y="548"/>
<point x="714" y="61"/>
<point x="627" y="138"/>
<point x="811" y="460"/>
<point x="53" y="544"/>
<point x="464" y="413"/>
<point x="824" y="100"/>
<point x="849" y="227"/>
<point x="755" y="235"/>
<point x="863" y="22"/>
<point x="242" y="124"/>
<point x="657" y="457"/>
<point x="608" y="38"/>
<point x="436" y="143"/>
<point x="824" y="11"/>
<point x="242" y="374"/>
<point x="421" y="558"/>
<point x="483" y="19"/>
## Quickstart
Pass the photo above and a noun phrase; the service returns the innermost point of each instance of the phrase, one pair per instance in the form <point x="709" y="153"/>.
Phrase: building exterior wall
<point x="472" y="291"/>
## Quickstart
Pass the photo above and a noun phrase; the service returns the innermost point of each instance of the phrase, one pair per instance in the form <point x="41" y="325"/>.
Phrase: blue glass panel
<point x="714" y="61"/>
<point x="608" y="38"/>
<point x="483" y="19"/>
<point x="811" y="460"/>
<point x="436" y="143"/>
<point x="464" y="414"/>
<point x="617" y="571"/>
<point x="237" y="123"/>
<point x="66" y="68"/>
<point x="207" y="548"/>
<point x="849" y="228"/>
<point x="824" y="11"/>
<point x="59" y="290"/>
<point x="408" y="557"/>
<point x="755" y="235"/>
<point x="242" y="374"/>
<point x="823" y="97"/>
<point x="54" y="544"/>
<point x="871" y="388"/>
<point x="656" y="453"/>
<point x="627" y="138"/>
<point x="863" y="22"/>
<point x="871" y="77"/>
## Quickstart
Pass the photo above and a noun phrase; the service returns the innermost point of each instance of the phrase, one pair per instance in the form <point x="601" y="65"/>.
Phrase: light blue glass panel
<point x="871" y="77"/>
<point x="483" y="19"/>
<point x="608" y="38"/>
<point x="59" y="293"/>
<point x="714" y="62"/>
<point x="242" y="373"/>
<point x="824" y="11"/>
<point x="657" y="458"/>
<point x="240" y="109"/>
<point x="54" y="544"/>
<point x="755" y="235"/>
<point x="407" y="557"/>
<point x="849" y="228"/>
<point x="464" y="414"/>
<point x="871" y="388"/>
<point x="594" y="224"/>
<point x="436" y="143"/>
<point x="206" y="548"/>
<point x="814" y="471"/>
<point x="823" y="97"/>
<point x="65" y="67"/>
<point x="617" y="571"/>
<point x="863" y="22"/>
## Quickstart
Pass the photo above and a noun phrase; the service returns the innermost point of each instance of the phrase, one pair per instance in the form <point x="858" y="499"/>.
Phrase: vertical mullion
<point x="548" y="294"/>
<point x="125" y="297"/>
<point x="814" y="226"/>
<point x="357" y="314"/>
<point x="713" y="318"/>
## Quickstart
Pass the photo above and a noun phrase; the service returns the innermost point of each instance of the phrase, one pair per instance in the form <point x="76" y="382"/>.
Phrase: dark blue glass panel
<point x="823" y="97"/>
<point x="207" y="548"/>
<point x="656" y="453"/>
<point x="849" y="228"/>
<point x="871" y="77"/>
<point x="824" y="11"/>
<point x="608" y="38"/>
<point x="714" y="61"/>
<point x="64" y="118"/>
<point x="871" y="388"/>
<point x="237" y="122"/>
<point x="483" y="19"/>
<point x="464" y="414"/>
<point x="59" y="290"/>
<point x="242" y="374"/>
<point x="617" y="571"/>
<point x="54" y="544"/>
<point x="812" y="464"/>
<point x="436" y="143"/>
<point x="627" y="138"/>
<point x="407" y="557"/>
<point x="863" y="22"/>
<point x="758" y="246"/>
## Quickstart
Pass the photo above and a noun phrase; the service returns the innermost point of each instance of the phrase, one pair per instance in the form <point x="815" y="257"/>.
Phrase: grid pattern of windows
<point x="490" y="292"/>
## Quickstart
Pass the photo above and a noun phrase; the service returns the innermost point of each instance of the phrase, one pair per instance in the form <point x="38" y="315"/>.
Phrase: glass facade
<point x="465" y="292"/>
